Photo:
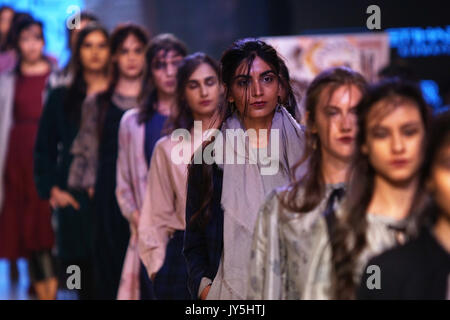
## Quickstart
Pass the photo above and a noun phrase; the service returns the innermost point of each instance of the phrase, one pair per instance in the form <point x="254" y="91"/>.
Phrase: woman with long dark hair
<point x="139" y="130"/>
<point x="420" y="269"/>
<point x="6" y="18"/>
<point x="58" y="128"/>
<point x="162" y="220"/>
<point x="277" y="263"/>
<point x="224" y="197"/>
<point x="7" y="53"/>
<point x="64" y="76"/>
<point x="96" y="147"/>
<point x="25" y="225"/>
<point x="384" y="192"/>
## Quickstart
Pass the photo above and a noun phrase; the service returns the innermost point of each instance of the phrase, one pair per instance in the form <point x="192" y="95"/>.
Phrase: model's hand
<point x="62" y="199"/>
<point x="90" y="192"/>
<point x="205" y="292"/>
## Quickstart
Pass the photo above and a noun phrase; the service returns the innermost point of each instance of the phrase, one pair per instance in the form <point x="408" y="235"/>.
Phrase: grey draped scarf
<point x="244" y="191"/>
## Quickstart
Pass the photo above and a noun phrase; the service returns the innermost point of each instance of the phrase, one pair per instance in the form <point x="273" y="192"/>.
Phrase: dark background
<point x="212" y="25"/>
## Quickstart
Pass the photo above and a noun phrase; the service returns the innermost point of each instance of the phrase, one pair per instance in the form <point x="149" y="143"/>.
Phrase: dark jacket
<point x="55" y="135"/>
<point x="203" y="246"/>
<point x="52" y="159"/>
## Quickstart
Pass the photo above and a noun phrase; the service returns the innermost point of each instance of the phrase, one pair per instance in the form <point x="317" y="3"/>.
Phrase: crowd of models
<point x="89" y="175"/>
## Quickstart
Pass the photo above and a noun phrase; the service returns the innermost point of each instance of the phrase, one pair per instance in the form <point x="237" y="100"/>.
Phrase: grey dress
<point x="291" y="253"/>
<point x="382" y="234"/>
<point x="282" y="244"/>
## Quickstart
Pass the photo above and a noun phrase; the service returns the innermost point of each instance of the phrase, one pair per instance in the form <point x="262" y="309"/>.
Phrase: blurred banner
<point x="306" y="56"/>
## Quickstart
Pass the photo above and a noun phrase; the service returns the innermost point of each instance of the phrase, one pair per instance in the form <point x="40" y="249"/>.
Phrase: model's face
<point x="439" y="182"/>
<point x="31" y="44"/>
<point x="202" y="91"/>
<point x="336" y="123"/>
<point x="164" y="69"/>
<point x="395" y="143"/>
<point x="131" y="58"/>
<point x="94" y="52"/>
<point x="258" y="91"/>
<point x="5" y="21"/>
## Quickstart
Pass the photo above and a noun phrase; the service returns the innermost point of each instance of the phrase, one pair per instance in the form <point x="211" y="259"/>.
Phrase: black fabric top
<point x="52" y="157"/>
<point x="420" y="270"/>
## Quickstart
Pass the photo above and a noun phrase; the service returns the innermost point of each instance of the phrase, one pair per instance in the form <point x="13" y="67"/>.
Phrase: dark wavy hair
<point x="11" y="38"/>
<point x="184" y="118"/>
<point x="78" y="88"/>
<point x="313" y="183"/>
<point x="4" y="45"/>
<point x="349" y="234"/>
<point x="439" y="139"/>
<point x="241" y="51"/>
<point x="84" y="16"/>
<point x="118" y="36"/>
<point x="289" y="101"/>
<point x="165" y="42"/>
<point x="22" y="25"/>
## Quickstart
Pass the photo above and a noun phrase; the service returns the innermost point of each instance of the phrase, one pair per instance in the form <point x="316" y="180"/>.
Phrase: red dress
<point x="25" y="223"/>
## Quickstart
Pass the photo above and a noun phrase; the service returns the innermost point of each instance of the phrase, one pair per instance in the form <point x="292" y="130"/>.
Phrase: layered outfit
<point x="162" y="221"/>
<point x="25" y="219"/>
<point x="244" y="189"/>
<point x="58" y="128"/>
<point x="94" y="166"/>
<point x="282" y="245"/>
<point x="382" y="233"/>
<point x="136" y="143"/>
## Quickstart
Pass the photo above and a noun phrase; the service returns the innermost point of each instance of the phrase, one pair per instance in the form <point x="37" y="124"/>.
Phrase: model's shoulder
<point x="274" y="202"/>
<point x="130" y="117"/>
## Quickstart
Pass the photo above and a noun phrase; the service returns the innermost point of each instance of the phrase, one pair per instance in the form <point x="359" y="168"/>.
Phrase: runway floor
<point x="19" y="290"/>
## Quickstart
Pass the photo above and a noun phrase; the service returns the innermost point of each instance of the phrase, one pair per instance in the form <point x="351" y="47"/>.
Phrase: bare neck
<point x="166" y="103"/>
<point x="334" y="170"/>
<point x="258" y="124"/>
<point x="96" y="82"/>
<point x="392" y="200"/>
<point x="129" y="87"/>
<point x="38" y="67"/>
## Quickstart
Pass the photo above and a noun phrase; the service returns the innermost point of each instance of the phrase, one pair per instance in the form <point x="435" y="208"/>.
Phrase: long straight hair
<point x="313" y="183"/>
<point x="349" y="234"/>
<point x="78" y="88"/>
<point x="118" y="37"/>
<point x="439" y="139"/>
<point x="164" y="42"/>
<point x="241" y="51"/>
<point x="4" y="45"/>
<point x="84" y="16"/>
